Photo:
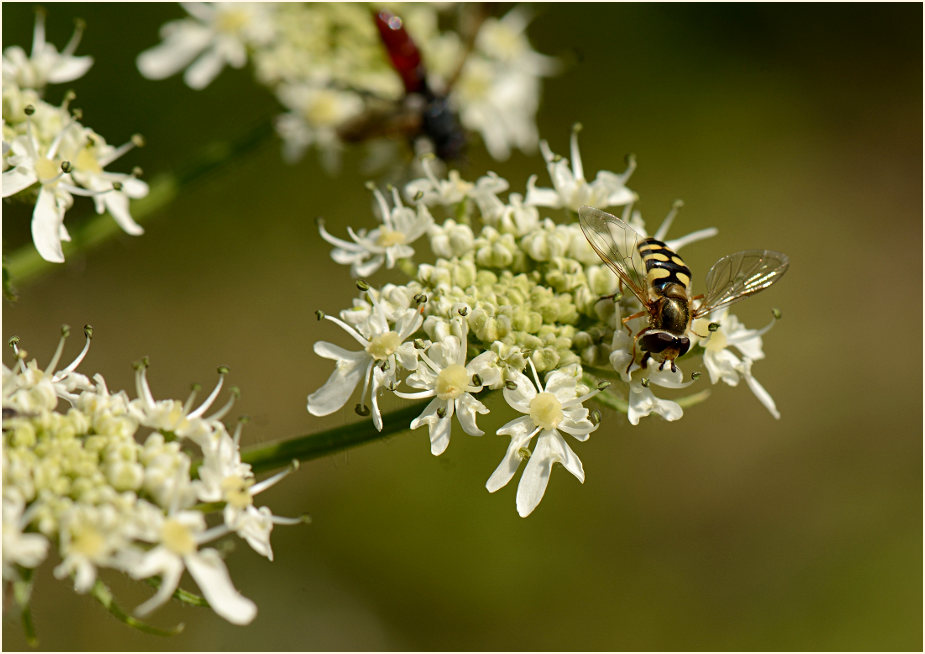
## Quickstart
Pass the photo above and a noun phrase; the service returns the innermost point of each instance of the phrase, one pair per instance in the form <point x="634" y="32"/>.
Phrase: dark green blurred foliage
<point x="793" y="127"/>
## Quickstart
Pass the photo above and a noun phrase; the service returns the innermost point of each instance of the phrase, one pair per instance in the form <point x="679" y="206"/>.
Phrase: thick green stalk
<point x="25" y="265"/>
<point x="313" y="446"/>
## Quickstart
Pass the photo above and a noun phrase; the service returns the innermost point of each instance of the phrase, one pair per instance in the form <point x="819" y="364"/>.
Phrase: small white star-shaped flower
<point x="384" y="350"/>
<point x="550" y="412"/>
<point x="571" y="190"/>
<point x="401" y="226"/>
<point x="445" y="376"/>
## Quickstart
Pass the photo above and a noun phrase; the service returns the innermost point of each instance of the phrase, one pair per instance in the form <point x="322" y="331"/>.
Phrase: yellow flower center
<point x="384" y="345"/>
<point x="546" y="410"/>
<point x="231" y="21"/>
<point x="717" y="341"/>
<point x="87" y="162"/>
<point x="178" y="537"/>
<point x="46" y="169"/>
<point x="324" y="111"/>
<point x="388" y="238"/>
<point x="236" y="492"/>
<point x="88" y="541"/>
<point x="452" y="382"/>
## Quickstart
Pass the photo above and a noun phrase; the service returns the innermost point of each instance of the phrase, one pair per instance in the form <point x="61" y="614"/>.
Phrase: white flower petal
<point x="212" y="577"/>
<point x="46" y="224"/>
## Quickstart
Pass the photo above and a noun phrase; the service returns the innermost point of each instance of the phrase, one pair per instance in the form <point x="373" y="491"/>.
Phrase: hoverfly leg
<point x="626" y="320"/>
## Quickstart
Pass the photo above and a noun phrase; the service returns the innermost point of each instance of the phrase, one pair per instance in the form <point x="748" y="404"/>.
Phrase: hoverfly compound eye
<point x="684" y="344"/>
<point x="656" y="342"/>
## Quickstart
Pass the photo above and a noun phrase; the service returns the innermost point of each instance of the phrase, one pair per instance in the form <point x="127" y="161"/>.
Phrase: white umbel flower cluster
<point x="327" y="66"/>
<point x="48" y="155"/>
<point x="512" y="294"/>
<point x="109" y="482"/>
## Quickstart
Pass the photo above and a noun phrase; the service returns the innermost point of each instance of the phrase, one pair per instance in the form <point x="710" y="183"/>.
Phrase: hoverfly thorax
<point x="663" y="287"/>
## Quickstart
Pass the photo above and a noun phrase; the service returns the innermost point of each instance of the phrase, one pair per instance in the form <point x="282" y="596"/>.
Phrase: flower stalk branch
<point x="313" y="446"/>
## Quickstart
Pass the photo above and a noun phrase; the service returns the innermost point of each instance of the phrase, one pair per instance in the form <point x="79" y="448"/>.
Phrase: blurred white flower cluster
<point x="98" y="480"/>
<point x="510" y="294"/>
<point x="327" y="66"/>
<point x="48" y="155"/>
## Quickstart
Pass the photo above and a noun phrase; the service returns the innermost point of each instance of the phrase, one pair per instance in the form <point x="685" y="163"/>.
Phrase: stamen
<point x="79" y="26"/>
<point x="65" y="332"/>
<point x="666" y="224"/>
<point x="194" y="390"/>
<point x="141" y="382"/>
<point x="577" y="169"/>
<point x="630" y="167"/>
<point x="38" y="33"/>
<point x="272" y="481"/>
<point x="221" y="413"/>
<point x="222" y="371"/>
<point x="699" y="235"/>
<point x="88" y="332"/>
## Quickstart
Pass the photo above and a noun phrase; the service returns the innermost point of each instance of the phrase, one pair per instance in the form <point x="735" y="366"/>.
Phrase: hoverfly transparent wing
<point x="736" y="276"/>
<point x="615" y="243"/>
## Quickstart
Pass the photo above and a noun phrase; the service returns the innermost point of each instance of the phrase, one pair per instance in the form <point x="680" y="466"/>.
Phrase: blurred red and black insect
<point x="423" y="112"/>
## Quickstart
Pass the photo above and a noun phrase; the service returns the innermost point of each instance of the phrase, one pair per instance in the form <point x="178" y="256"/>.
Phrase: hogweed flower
<point x="45" y="65"/>
<point x="49" y="157"/>
<point x="327" y="66"/>
<point x="514" y="284"/>
<point x="550" y="411"/>
<point x="108" y="482"/>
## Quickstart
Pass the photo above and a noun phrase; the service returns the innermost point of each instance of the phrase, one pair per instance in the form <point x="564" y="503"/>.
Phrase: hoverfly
<point x="423" y="112"/>
<point x="663" y="287"/>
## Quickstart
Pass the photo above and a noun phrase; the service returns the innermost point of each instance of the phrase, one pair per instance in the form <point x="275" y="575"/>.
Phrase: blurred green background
<point x="788" y="126"/>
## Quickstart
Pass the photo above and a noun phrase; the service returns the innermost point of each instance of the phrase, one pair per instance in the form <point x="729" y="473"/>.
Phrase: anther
<point x="65" y="331"/>
<point x="88" y="331"/>
<point x="677" y="204"/>
<point x="776" y="313"/>
<point x="363" y="285"/>
<point x="511" y="385"/>
<point x="419" y="344"/>
<point x="141" y="364"/>
<point x="137" y="171"/>
<point x="70" y="96"/>
<point x="595" y="416"/>
<point x="463" y="311"/>
<point x="696" y="375"/>
<point x="645" y="382"/>
<point x="362" y="410"/>
<point x="117" y="186"/>
<point x="138" y="140"/>
<point x="418" y="196"/>
<point x="441" y="412"/>
<point x="319" y="314"/>
<point x="476" y="380"/>
<point x="601" y="385"/>
<point x="523" y="453"/>
<point x="713" y="326"/>
<point x="420" y="298"/>
<point x="13" y="342"/>
<point x="29" y="109"/>
<point x="577" y="127"/>
<point x="370" y="186"/>
<point x="66" y="167"/>
<point x="223" y="370"/>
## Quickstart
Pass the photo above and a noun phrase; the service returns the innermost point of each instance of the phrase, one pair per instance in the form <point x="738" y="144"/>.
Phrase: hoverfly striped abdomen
<point x="663" y="265"/>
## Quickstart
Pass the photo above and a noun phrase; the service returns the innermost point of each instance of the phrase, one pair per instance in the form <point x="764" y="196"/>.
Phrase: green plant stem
<point x="313" y="446"/>
<point x="25" y="265"/>
<point x="101" y="593"/>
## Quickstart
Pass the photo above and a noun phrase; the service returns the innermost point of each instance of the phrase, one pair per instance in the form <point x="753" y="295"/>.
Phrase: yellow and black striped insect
<point x="663" y="287"/>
